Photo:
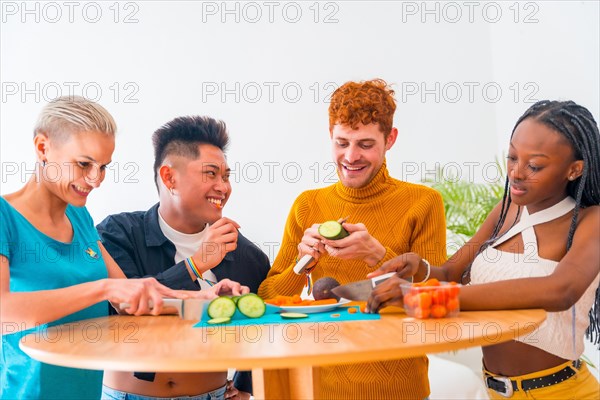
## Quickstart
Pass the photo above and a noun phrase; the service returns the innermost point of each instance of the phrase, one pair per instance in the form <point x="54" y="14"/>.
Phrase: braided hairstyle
<point x="578" y="126"/>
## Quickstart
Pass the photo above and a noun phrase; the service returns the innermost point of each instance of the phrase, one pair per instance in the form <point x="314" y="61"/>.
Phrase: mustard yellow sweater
<point x="404" y="217"/>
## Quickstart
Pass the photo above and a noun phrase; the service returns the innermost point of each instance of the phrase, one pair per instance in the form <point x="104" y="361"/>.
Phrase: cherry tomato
<point x="452" y="304"/>
<point x="439" y="297"/>
<point x="422" y="313"/>
<point x="432" y="282"/>
<point x="453" y="289"/>
<point x="424" y="300"/>
<point x="438" y="311"/>
<point x="411" y="301"/>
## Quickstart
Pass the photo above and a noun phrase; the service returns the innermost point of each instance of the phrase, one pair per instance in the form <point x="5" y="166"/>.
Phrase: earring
<point x="43" y="163"/>
<point x="571" y="177"/>
<point x="172" y="191"/>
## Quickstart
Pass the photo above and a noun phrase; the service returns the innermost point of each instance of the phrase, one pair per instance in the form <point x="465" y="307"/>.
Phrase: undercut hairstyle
<point x="69" y="115"/>
<point x="577" y="125"/>
<point x="183" y="136"/>
<point x="367" y="102"/>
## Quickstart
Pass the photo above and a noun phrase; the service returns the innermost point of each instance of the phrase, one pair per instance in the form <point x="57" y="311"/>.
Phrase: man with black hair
<point x="185" y="243"/>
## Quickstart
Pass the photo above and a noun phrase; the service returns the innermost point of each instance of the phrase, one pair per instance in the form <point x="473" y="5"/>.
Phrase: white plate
<point x="314" y="309"/>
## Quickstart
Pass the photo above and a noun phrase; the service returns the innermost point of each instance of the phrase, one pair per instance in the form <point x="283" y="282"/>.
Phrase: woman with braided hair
<point x="537" y="249"/>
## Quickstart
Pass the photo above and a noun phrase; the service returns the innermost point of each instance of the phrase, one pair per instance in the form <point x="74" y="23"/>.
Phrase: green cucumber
<point x="293" y="315"/>
<point x="222" y="320"/>
<point x="332" y="230"/>
<point x="221" y="307"/>
<point x="251" y="305"/>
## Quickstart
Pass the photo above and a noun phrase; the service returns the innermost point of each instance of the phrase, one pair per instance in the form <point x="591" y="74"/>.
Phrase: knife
<point x="307" y="259"/>
<point x="186" y="309"/>
<point x="303" y="263"/>
<point x="361" y="290"/>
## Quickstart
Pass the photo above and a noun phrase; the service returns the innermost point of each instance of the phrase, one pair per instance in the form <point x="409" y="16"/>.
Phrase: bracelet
<point x="190" y="262"/>
<point x="428" y="269"/>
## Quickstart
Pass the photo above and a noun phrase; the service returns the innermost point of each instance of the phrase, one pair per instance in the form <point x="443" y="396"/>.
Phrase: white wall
<point x="166" y="59"/>
<point x="269" y="77"/>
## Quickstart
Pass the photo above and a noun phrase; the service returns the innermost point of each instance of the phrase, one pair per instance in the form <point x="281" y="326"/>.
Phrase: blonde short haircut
<point x="66" y="115"/>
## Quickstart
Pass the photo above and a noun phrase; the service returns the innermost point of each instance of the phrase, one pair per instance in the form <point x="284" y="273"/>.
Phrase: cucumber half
<point x="251" y="305"/>
<point x="221" y="307"/>
<point x="332" y="230"/>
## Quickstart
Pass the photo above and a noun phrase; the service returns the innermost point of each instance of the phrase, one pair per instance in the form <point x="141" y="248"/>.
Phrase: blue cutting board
<point x="272" y="316"/>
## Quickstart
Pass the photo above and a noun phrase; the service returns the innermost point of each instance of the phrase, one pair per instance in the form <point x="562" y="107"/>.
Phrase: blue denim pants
<point x="112" y="394"/>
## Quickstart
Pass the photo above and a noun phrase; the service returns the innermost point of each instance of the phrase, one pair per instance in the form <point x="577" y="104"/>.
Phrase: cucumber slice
<point x="251" y="305"/>
<point x="332" y="230"/>
<point x="222" y="320"/>
<point x="221" y="307"/>
<point x="235" y="299"/>
<point x="293" y="315"/>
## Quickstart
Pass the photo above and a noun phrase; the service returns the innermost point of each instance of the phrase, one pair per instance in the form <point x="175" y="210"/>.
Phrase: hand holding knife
<point x="361" y="290"/>
<point x="186" y="308"/>
<point x="306" y="261"/>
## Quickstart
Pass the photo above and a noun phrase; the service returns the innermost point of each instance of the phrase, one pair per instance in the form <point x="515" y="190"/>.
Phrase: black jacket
<point x="136" y="242"/>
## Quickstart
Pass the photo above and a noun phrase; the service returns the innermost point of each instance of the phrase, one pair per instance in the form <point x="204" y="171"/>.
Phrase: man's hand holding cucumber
<point x="342" y="240"/>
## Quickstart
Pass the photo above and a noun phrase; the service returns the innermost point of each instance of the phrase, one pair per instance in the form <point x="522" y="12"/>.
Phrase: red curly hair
<point x="368" y="102"/>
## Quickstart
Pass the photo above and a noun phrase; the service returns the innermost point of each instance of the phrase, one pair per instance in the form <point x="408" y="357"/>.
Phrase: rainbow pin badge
<point x="91" y="253"/>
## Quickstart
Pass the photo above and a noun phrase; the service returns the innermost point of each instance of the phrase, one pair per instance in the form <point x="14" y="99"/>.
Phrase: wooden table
<point x="281" y="354"/>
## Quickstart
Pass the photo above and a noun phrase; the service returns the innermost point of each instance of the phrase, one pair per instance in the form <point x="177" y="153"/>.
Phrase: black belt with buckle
<point x="506" y="386"/>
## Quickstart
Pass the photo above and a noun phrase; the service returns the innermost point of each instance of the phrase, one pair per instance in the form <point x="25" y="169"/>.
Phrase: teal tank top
<point x="38" y="262"/>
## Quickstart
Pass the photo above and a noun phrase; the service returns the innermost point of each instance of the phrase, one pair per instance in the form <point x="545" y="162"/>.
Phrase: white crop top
<point x="555" y="335"/>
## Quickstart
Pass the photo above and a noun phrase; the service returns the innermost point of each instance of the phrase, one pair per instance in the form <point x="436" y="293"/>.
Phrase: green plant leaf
<point x="466" y="204"/>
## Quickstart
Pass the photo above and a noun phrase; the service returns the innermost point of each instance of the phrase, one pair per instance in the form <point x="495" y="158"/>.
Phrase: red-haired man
<point x="387" y="217"/>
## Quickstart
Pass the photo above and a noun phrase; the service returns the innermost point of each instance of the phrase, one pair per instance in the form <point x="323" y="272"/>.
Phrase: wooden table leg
<point x="276" y="384"/>
<point x="258" y="383"/>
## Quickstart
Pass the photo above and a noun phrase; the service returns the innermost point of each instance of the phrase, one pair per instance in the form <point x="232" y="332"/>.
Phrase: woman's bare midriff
<point x="166" y="384"/>
<point x="516" y="358"/>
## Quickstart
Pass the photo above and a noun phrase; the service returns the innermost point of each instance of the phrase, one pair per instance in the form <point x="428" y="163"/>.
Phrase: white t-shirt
<point x="186" y="246"/>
